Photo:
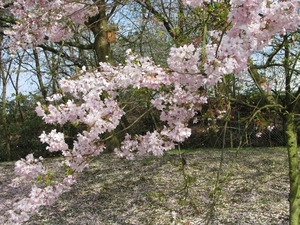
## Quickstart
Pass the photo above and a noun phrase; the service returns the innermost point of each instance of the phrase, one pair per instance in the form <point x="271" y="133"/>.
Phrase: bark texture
<point x="291" y="137"/>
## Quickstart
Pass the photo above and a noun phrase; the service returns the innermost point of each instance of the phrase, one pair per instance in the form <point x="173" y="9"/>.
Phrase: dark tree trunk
<point x="98" y="25"/>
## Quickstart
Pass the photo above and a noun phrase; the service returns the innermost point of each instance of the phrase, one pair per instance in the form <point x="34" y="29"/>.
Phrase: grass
<point x="252" y="189"/>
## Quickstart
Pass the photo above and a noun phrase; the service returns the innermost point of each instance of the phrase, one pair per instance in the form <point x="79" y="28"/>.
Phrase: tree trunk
<point x="98" y="25"/>
<point x="39" y="74"/>
<point x="4" y="77"/>
<point x="3" y="111"/>
<point x="291" y="137"/>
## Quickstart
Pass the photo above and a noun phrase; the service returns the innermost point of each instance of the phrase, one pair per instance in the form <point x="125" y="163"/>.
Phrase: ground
<point x="253" y="189"/>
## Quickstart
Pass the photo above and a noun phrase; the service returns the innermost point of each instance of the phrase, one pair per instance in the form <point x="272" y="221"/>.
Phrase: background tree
<point x="4" y="78"/>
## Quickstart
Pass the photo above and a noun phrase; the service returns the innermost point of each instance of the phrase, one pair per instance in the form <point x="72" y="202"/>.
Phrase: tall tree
<point x="4" y="70"/>
<point x="5" y="79"/>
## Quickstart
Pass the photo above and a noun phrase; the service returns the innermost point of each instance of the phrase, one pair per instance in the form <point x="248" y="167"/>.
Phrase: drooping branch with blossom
<point x="178" y="98"/>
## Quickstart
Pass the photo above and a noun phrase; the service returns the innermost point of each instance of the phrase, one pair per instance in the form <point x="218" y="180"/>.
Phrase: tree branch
<point x="158" y="16"/>
<point x="77" y="62"/>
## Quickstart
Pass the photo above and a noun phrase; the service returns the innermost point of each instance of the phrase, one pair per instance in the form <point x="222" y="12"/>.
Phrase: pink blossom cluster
<point x="55" y="140"/>
<point x="29" y="168"/>
<point x="40" y="20"/>
<point x="100" y="114"/>
<point x="153" y="143"/>
<point x="256" y="21"/>
<point x="177" y="105"/>
<point x="195" y="3"/>
<point x="23" y="209"/>
<point x="253" y="23"/>
<point x="60" y="113"/>
<point x="182" y="98"/>
<point x="184" y="59"/>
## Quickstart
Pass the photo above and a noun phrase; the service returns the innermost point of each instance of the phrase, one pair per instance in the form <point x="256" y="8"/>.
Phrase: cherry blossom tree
<point x="179" y="88"/>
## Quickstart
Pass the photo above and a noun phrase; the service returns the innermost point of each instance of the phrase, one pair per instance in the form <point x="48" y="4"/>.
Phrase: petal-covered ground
<point x="252" y="188"/>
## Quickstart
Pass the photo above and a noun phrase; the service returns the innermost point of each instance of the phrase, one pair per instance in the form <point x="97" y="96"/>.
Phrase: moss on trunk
<point x="291" y="137"/>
